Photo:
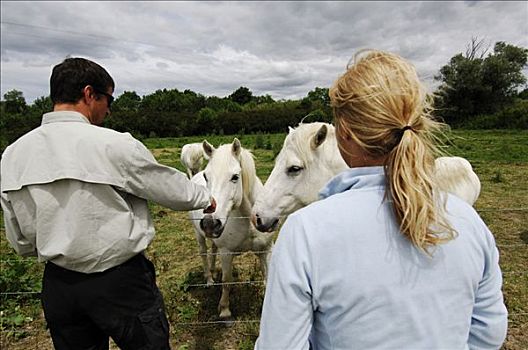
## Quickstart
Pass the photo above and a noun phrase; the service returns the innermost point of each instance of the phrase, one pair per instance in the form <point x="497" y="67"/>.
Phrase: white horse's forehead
<point x="294" y="150"/>
<point x="223" y="162"/>
<point x="288" y="156"/>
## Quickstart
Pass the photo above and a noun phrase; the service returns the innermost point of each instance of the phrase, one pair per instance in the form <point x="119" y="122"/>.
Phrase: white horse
<point x="455" y="175"/>
<point x="192" y="157"/>
<point x="231" y="177"/>
<point x="310" y="157"/>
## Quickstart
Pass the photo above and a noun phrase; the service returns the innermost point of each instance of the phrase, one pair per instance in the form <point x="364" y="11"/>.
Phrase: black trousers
<point x="83" y="310"/>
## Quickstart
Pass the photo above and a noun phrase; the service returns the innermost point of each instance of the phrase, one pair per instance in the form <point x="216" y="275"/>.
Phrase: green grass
<point x="500" y="158"/>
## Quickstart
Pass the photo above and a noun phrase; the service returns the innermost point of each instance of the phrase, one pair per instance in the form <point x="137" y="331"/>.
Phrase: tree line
<point x="480" y="88"/>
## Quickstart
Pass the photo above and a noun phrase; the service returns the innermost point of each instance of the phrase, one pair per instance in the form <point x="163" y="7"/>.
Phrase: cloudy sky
<point x="283" y="49"/>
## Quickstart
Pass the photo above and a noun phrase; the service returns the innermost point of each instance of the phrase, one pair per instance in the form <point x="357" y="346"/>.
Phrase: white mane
<point x="249" y="175"/>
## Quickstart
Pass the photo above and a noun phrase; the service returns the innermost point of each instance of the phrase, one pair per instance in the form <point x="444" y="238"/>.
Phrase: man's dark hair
<point x="69" y="78"/>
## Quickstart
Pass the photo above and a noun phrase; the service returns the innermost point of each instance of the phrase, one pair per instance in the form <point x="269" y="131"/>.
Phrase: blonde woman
<point x="383" y="260"/>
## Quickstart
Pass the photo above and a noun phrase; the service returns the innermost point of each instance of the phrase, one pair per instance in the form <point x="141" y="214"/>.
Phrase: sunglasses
<point x="109" y="98"/>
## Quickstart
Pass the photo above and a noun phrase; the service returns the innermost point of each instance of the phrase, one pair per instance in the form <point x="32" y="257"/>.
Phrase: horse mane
<point x="249" y="174"/>
<point x="302" y="135"/>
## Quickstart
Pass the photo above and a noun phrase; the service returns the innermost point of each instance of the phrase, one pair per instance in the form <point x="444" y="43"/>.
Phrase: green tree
<point x="14" y="102"/>
<point x="41" y="105"/>
<point x="319" y="94"/>
<point x="207" y="120"/>
<point x="242" y="95"/>
<point x="317" y="105"/>
<point x="523" y="95"/>
<point x="476" y="83"/>
<point x="17" y="118"/>
<point x="265" y="99"/>
<point x="127" y="101"/>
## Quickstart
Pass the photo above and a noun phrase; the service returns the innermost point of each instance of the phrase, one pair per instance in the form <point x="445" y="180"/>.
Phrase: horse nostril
<point x="259" y="221"/>
<point x="217" y="224"/>
<point x="275" y="224"/>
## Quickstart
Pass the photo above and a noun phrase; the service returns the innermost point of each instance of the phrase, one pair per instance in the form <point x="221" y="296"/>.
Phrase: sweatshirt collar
<point x="354" y="178"/>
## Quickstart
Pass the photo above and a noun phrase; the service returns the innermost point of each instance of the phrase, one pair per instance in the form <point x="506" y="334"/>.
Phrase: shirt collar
<point x="354" y="178"/>
<point x="64" y="116"/>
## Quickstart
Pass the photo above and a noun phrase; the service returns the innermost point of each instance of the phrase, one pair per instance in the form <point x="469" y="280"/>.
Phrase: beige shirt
<point x="76" y="194"/>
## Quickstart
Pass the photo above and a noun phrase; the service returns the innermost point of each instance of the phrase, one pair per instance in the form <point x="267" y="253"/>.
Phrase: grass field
<point x="500" y="158"/>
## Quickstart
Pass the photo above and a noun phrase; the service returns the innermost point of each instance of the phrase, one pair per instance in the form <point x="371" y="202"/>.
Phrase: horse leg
<point x="264" y="263"/>
<point x="203" y="254"/>
<point x="212" y="260"/>
<point x="227" y="277"/>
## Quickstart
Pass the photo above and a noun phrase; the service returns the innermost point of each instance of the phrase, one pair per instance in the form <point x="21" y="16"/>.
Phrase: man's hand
<point x="211" y="208"/>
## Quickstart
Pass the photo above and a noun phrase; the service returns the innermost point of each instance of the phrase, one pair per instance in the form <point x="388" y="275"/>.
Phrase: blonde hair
<point x="381" y="104"/>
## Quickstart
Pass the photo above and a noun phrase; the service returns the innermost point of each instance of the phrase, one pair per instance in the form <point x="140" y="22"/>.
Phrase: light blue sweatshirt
<point x="342" y="276"/>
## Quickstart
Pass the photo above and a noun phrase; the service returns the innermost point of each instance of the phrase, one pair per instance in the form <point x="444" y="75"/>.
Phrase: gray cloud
<point x="284" y="49"/>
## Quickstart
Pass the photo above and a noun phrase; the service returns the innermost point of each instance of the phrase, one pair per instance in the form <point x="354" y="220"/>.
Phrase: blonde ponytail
<point x="409" y="168"/>
<point x="381" y="104"/>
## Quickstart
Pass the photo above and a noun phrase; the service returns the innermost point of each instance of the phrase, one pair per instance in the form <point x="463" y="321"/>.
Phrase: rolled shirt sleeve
<point x="287" y="313"/>
<point x="148" y="179"/>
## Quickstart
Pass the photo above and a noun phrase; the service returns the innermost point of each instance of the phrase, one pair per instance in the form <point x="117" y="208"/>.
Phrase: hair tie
<point x="406" y="127"/>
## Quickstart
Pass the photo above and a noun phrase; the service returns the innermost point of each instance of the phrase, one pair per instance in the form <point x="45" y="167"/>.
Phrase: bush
<point x="481" y="122"/>
<point x="277" y="147"/>
<point x="18" y="275"/>
<point x="514" y="116"/>
<point x="268" y="143"/>
<point x="259" y="141"/>
<point x="21" y="278"/>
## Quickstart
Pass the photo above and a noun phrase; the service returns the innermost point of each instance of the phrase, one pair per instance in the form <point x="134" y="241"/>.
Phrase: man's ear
<point x="88" y="94"/>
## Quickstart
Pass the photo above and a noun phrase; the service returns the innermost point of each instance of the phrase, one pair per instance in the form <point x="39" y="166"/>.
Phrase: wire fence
<point x="157" y="254"/>
<point x="514" y="316"/>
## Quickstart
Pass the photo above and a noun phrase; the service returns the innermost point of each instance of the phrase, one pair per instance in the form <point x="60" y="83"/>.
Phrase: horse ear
<point x="319" y="137"/>
<point x="290" y="129"/>
<point x="208" y="148"/>
<point x="236" y="147"/>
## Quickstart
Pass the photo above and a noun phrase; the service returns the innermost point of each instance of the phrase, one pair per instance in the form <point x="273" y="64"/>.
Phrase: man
<point x="75" y="195"/>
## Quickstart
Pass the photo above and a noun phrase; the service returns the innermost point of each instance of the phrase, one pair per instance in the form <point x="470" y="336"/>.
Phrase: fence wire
<point x="158" y="254"/>
<point x="511" y="316"/>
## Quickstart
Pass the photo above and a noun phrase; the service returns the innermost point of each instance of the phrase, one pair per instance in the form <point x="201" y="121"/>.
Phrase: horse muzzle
<point x="212" y="227"/>
<point x="265" y="224"/>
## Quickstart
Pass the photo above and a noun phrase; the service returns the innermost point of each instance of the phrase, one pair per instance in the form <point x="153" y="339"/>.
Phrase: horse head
<point x="230" y="176"/>
<point x="307" y="160"/>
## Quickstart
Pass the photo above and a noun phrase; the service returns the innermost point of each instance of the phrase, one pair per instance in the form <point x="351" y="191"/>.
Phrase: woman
<point x="384" y="261"/>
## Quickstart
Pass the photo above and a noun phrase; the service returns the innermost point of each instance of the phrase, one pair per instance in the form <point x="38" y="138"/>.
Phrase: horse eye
<point x="205" y="177"/>
<point x="294" y="170"/>
<point x="234" y="178"/>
